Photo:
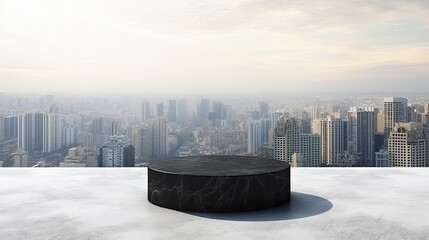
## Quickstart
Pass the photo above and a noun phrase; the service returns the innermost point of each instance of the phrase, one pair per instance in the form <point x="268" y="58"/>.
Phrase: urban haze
<point x="310" y="83"/>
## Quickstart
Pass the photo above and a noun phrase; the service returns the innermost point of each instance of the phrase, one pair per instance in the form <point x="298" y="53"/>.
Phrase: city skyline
<point x="183" y="47"/>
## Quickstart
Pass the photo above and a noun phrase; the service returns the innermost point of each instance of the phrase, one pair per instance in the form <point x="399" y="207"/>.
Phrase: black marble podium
<point x="218" y="183"/>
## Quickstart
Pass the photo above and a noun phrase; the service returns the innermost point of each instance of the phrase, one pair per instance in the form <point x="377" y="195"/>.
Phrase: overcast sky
<point x="180" y="47"/>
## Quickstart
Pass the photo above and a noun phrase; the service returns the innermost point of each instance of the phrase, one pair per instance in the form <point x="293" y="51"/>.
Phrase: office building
<point x="258" y="130"/>
<point x="172" y="111"/>
<point x="144" y="111"/>
<point x="30" y="131"/>
<point x="360" y="133"/>
<point x="309" y="150"/>
<point x="160" y="109"/>
<point x="69" y="136"/>
<point x="182" y="113"/>
<point x="395" y="111"/>
<point x="203" y="108"/>
<point x="52" y="130"/>
<point x="333" y="138"/>
<point x="275" y="116"/>
<point x="159" y="138"/>
<point x="426" y="107"/>
<point x="117" y="152"/>
<point x="2" y="132"/>
<point x="10" y="127"/>
<point x="263" y="110"/>
<point x="408" y="145"/>
<point x="286" y="139"/>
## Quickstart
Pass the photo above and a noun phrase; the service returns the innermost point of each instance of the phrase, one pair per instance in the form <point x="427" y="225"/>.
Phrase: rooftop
<point x="111" y="203"/>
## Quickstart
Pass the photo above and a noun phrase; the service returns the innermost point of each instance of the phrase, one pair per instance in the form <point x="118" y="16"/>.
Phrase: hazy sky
<point x="253" y="46"/>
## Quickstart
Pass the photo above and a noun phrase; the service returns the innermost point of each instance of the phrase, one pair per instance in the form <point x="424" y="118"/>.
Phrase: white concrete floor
<point x="100" y="203"/>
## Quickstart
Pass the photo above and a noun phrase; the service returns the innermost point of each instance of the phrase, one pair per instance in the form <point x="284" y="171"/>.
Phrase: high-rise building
<point x="314" y="112"/>
<point x="203" y="108"/>
<point x="380" y="122"/>
<point x="141" y="138"/>
<point x="144" y="110"/>
<point x="182" y="111"/>
<point x="360" y="133"/>
<point x="97" y="129"/>
<point x="30" y="131"/>
<point x="52" y="130"/>
<point x="160" y="109"/>
<point x="172" y="111"/>
<point x="114" y="128"/>
<point x="218" y="116"/>
<point x="258" y="130"/>
<point x="309" y="150"/>
<point x="117" y="152"/>
<point x="11" y="127"/>
<point x="2" y="133"/>
<point x="426" y="107"/>
<point x="408" y="145"/>
<point x="286" y="139"/>
<point x="69" y="135"/>
<point x="275" y="116"/>
<point x="332" y="133"/>
<point x="395" y="111"/>
<point x="411" y="114"/>
<point x="263" y="109"/>
<point x="159" y="144"/>
<point x="38" y="130"/>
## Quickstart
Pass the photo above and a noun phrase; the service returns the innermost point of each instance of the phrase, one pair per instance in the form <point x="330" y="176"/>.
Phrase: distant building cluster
<point x="123" y="132"/>
<point x="395" y="135"/>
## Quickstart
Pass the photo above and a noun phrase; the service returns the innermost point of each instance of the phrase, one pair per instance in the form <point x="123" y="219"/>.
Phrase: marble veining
<point x="218" y="165"/>
<point x="260" y="185"/>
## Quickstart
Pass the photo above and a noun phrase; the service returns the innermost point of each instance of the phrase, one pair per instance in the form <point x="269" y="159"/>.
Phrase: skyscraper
<point x="52" y="130"/>
<point x="263" y="110"/>
<point x="286" y="139"/>
<point x="159" y="138"/>
<point x="172" y="111"/>
<point x="218" y="116"/>
<point x="117" y="152"/>
<point x="160" y="109"/>
<point x="141" y="138"/>
<point x="145" y="110"/>
<point x="182" y="111"/>
<point x="309" y="150"/>
<point x="258" y="130"/>
<point x="11" y="127"/>
<point x="408" y="146"/>
<point x="332" y="138"/>
<point x="426" y="107"/>
<point x="361" y="130"/>
<point x="395" y="111"/>
<point x="97" y="129"/>
<point x="203" y="108"/>
<point x="2" y="132"/>
<point x="275" y="116"/>
<point x="30" y="131"/>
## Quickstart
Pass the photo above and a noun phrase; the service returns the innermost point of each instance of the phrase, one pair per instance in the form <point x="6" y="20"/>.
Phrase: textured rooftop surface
<point x="111" y="203"/>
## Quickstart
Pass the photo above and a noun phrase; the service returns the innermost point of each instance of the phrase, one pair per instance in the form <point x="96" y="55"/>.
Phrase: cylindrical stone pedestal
<point x="218" y="183"/>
